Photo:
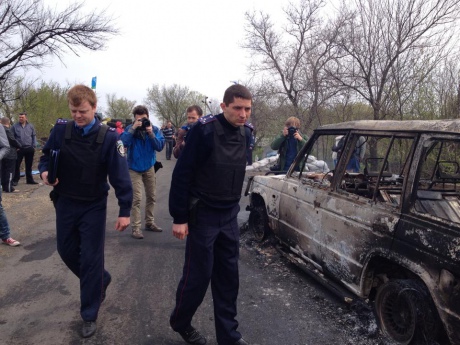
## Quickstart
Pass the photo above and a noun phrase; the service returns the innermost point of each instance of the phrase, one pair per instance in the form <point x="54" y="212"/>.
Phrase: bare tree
<point x="29" y="33"/>
<point x="11" y="90"/>
<point x="214" y="106"/>
<point x="376" y="35"/>
<point x="265" y="113"/>
<point x="119" y="108"/>
<point x="294" y="59"/>
<point x="447" y="87"/>
<point x="169" y="103"/>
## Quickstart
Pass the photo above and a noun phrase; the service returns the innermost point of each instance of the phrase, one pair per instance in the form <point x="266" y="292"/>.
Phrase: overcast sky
<point x="193" y="43"/>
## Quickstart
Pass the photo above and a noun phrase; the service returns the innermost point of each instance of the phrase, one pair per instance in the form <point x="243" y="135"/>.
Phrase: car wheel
<point x="258" y="223"/>
<point x="405" y="312"/>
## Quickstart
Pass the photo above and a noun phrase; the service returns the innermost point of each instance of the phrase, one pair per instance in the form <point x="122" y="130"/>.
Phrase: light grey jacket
<point x="4" y="144"/>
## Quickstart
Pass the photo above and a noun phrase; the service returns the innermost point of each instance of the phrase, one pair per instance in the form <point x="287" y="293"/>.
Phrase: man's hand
<point x="44" y="177"/>
<point x="122" y="223"/>
<point x="285" y="131"/>
<point x="297" y="136"/>
<point x="149" y="130"/>
<point x="137" y="124"/>
<point x="180" y="231"/>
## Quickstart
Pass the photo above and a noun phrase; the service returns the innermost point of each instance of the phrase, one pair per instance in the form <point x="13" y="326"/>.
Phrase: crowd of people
<point x="83" y="155"/>
<point x="17" y="142"/>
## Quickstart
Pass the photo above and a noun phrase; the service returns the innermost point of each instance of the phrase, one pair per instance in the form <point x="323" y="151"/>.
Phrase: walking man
<point x="88" y="152"/>
<point x="142" y="140"/>
<point x="24" y="132"/>
<point x="204" y="203"/>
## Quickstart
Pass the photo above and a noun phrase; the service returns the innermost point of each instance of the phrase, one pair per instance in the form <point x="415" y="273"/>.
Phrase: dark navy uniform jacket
<point x="112" y="156"/>
<point x="200" y="144"/>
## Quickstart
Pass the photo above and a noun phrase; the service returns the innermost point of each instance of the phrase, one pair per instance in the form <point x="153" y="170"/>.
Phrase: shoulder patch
<point x="121" y="149"/>
<point x="61" y="121"/>
<point x="207" y="119"/>
<point x="111" y="129"/>
<point x="249" y="125"/>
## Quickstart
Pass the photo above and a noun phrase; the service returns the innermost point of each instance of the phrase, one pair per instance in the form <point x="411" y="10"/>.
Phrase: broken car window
<point x="438" y="186"/>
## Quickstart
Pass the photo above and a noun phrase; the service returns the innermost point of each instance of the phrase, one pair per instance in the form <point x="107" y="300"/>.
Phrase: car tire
<point x="406" y="313"/>
<point x="258" y="223"/>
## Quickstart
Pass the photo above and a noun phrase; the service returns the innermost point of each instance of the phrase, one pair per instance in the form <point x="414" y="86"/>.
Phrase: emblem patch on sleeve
<point x="121" y="148"/>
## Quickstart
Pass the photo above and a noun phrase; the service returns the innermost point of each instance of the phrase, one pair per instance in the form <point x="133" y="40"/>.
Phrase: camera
<point x="145" y="123"/>
<point x="292" y="131"/>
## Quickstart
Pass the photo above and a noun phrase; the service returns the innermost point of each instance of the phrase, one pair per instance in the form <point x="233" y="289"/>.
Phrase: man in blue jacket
<point x="142" y="140"/>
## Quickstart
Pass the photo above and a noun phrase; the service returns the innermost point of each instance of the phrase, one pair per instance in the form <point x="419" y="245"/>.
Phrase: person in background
<point x="168" y="134"/>
<point x="89" y="152"/>
<point x="4" y="226"/>
<point x="9" y="160"/>
<point x="337" y="149"/>
<point x="142" y="139"/>
<point x="119" y="127"/>
<point x="24" y="132"/>
<point x="204" y="199"/>
<point x="289" y="142"/>
<point x="357" y="156"/>
<point x="194" y="112"/>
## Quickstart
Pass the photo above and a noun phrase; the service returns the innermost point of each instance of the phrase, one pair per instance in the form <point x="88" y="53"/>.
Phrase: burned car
<point x="377" y="217"/>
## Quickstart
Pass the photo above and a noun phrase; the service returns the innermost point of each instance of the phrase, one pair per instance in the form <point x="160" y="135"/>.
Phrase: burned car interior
<point x="385" y="163"/>
<point x="374" y="208"/>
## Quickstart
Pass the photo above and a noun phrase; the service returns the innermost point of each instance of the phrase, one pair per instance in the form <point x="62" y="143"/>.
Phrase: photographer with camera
<point x="142" y="139"/>
<point x="288" y="144"/>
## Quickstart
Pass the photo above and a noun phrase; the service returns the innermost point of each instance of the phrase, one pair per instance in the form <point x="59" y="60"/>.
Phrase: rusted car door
<point x="339" y="226"/>
<point x="299" y="224"/>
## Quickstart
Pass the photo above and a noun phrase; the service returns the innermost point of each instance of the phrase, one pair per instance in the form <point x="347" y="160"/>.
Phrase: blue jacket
<point x="141" y="147"/>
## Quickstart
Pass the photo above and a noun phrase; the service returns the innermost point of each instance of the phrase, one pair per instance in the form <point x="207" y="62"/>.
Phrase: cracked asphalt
<point x="39" y="296"/>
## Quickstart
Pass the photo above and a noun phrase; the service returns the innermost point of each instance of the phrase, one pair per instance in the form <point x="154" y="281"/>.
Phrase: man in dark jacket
<point x="204" y="199"/>
<point x="9" y="161"/>
<point x="194" y="112"/>
<point x="89" y="152"/>
<point x="24" y="132"/>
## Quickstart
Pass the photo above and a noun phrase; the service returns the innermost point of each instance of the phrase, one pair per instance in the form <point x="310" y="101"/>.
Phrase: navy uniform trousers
<point x="80" y="232"/>
<point x="211" y="254"/>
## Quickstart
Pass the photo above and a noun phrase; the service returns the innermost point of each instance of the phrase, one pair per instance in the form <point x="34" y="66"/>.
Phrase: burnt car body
<point x="388" y="233"/>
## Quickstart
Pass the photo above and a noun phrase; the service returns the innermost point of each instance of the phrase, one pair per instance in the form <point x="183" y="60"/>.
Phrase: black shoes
<point x="241" y="342"/>
<point x="89" y="328"/>
<point x="15" y="183"/>
<point x="192" y="336"/>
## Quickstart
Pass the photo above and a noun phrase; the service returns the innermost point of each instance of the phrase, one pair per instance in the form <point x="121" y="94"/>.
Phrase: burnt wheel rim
<point x="257" y="225"/>
<point x="398" y="314"/>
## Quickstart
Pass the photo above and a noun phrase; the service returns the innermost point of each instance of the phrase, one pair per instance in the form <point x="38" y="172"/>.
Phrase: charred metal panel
<point x="352" y="226"/>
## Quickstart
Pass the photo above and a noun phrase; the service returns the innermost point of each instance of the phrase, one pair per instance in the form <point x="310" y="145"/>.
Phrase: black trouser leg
<point x="29" y="159"/>
<point x="17" y="170"/>
<point x="8" y="169"/>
